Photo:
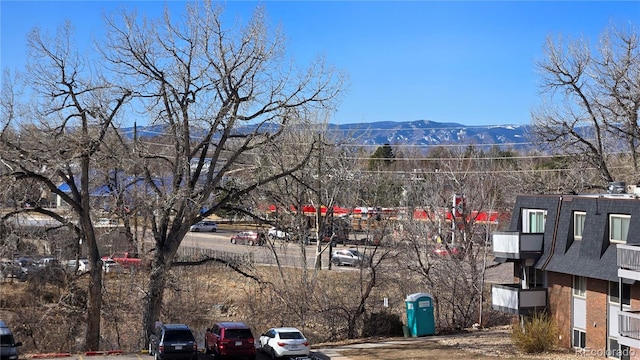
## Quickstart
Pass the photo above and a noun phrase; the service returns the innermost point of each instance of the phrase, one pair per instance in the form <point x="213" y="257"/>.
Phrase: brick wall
<point x="560" y="287"/>
<point x="597" y="291"/>
<point x="560" y="297"/>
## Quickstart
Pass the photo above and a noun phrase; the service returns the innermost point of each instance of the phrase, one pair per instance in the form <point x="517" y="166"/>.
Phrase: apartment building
<point x="577" y="257"/>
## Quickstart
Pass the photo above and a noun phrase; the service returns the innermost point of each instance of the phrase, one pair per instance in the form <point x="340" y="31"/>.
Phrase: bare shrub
<point x="536" y="334"/>
<point x="199" y="296"/>
<point x="492" y="318"/>
<point x="43" y="307"/>
<point x="382" y="324"/>
<point x="121" y="316"/>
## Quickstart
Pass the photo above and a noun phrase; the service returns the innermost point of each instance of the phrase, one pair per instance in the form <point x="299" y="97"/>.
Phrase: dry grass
<point x="473" y="345"/>
<point x="482" y="345"/>
<point x="213" y="293"/>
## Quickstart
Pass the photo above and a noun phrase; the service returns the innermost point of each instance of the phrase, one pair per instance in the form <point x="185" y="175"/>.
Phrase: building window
<point x="616" y="351"/>
<point x="579" y="339"/>
<point x="534" y="221"/>
<point x="618" y="228"/>
<point x="614" y="294"/>
<point x="613" y="348"/>
<point x="579" y="286"/>
<point x="625" y="352"/>
<point x="578" y="224"/>
<point x="535" y="277"/>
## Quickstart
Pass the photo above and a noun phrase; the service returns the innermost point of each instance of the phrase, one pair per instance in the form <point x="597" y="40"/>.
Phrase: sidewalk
<point x="482" y="337"/>
<point x="333" y="353"/>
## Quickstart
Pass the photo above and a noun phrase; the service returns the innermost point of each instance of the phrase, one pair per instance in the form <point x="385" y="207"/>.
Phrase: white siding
<point x="579" y="313"/>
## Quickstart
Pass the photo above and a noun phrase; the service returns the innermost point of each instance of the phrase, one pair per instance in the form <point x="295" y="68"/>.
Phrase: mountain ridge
<point x="432" y="133"/>
<point x="416" y="133"/>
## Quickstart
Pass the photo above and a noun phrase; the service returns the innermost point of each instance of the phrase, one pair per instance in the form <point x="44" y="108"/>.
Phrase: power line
<point x="420" y="159"/>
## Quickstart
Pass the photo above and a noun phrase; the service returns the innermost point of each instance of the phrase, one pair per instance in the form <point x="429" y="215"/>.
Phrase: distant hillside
<point x="424" y="132"/>
<point x="419" y="132"/>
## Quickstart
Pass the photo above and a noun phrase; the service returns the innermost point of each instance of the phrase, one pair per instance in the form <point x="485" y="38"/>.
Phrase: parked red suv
<point x="230" y="339"/>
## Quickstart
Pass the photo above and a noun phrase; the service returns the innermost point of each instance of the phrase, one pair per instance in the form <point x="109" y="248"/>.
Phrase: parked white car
<point x="275" y="233"/>
<point x="111" y="266"/>
<point x="102" y="222"/>
<point x="83" y="265"/>
<point x="284" y="341"/>
<point x="49" y="262"/>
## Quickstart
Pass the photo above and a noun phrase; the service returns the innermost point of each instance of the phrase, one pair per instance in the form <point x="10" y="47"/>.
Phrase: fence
<point x="263" y="255"/>
<point x="187" y="253"/>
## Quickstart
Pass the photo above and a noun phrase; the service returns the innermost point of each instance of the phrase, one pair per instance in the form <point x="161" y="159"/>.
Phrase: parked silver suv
<point x="205" y="225"/>
<point x="351" y="257"/>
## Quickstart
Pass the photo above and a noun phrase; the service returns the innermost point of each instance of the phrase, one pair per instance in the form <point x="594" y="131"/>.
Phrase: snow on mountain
<point x="419" y="132"/>
<point x="430" y="133"/>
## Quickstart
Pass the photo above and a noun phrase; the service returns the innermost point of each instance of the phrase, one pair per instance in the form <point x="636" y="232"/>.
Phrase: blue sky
<point x="447" y="61"/>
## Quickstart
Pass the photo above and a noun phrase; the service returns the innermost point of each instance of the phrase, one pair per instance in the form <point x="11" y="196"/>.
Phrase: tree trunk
<point x="351" y="327"/>
<point x="94" y="302"/>
<point x="155" y="294"/>
<point x="94" y="307"/>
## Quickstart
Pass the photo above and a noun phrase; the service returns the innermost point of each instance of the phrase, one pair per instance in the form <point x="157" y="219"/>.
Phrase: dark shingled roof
<point x="593" y="256"/>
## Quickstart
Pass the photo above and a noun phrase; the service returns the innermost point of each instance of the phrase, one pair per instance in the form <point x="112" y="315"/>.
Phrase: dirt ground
<point x="478" y="345"/>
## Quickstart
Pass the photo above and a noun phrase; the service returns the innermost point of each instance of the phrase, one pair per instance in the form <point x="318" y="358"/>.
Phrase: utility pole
<point x="453" y="220"/>
<point x="318" y="264"/>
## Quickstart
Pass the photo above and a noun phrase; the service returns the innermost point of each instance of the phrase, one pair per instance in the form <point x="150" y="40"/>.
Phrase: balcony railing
<point x="629" y="328"/>
<point x="628" y="261"/>
<point x="629" y="323"/>
<point x="517" y="245"/>
<point x="629" y="257"/>
<point x="512" y="299"/>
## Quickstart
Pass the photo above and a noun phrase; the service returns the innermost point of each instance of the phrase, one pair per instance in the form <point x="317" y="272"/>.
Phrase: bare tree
<point x="221" y="96"/>
<point x="593" y="99"/>
<point x="218" y="95"/>
<point x="54" y="139"/>
<point x="454" y="277"/>
<point x="330" y="181"/>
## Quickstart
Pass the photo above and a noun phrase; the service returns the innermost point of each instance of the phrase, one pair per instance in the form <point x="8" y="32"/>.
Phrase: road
<point x="289" y="254"/>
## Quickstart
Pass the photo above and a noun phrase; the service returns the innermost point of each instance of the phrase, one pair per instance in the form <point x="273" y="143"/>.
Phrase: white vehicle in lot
<point x="205" y="225"/>
<point x="275" y="233"/>
<point x="283" y="341"/>
<point x="82" y="264"/>
<point x="102" y="222"/>
<point x="111" y="266"/>
<point x="48" y="262"/>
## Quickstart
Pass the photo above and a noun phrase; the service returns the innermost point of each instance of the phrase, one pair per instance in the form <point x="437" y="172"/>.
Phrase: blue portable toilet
<point x="420" y="319"/>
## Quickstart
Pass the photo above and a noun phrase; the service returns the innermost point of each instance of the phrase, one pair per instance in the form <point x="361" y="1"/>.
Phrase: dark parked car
<point x="230" y="339"/>
<point x="8" y="346"/>
<point x="173" y="341"/>
<point x="27" y="266"/>
<point x="10" y="269"/>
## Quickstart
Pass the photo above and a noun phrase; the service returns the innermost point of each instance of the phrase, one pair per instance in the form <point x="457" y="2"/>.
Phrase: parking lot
<point x="144" y="356"/>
